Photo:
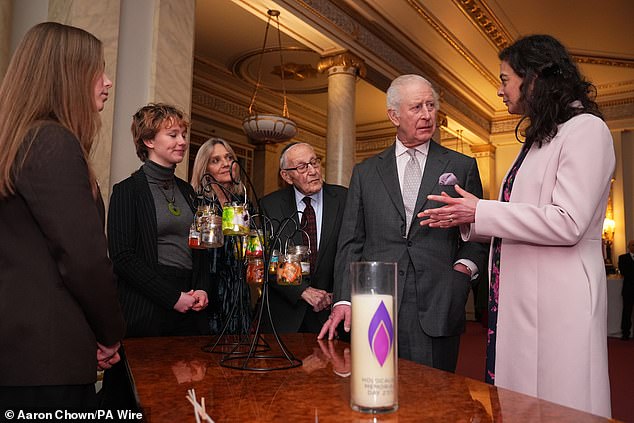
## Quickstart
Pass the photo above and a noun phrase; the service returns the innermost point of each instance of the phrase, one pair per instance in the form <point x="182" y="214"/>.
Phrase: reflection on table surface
<point x="164" y="369"/>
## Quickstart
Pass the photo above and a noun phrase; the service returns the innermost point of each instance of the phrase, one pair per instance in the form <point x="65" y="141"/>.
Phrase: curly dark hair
<point x="551" y="83"/>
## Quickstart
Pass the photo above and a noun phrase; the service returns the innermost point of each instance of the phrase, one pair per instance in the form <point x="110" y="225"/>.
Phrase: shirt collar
<point x="401" y="149"/>
<point x="315" y="198"/>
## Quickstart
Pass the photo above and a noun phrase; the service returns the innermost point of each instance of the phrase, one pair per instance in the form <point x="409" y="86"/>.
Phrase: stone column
<point x="485" y="156"/>
<point x="155" y="65"/>
<point x="343" y="70"/>
<point x="101" y="19"/>
<point x="148" y="49"/>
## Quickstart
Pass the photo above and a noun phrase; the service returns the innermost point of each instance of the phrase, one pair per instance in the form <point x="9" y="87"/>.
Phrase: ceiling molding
<point x="381" y="50"/>
<point x="301" y="75"/>
<point x="603" y="60"/>
<point x="484" y="19"/>
<point x="617" y="109"/>
<point x="486" y="22"/>
<point x="446" y="35"/>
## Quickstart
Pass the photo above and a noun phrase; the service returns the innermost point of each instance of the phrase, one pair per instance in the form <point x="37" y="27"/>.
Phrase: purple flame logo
<point x="381" y="334"/>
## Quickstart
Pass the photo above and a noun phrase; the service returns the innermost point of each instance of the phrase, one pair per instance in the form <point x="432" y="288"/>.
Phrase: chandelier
<point x="264" y="128"/>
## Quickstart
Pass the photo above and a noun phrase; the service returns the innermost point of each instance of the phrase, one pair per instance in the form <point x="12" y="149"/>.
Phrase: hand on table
<point x="339" y="312"/>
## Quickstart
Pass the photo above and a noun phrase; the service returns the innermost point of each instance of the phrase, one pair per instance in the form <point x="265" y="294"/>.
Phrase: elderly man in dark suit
<point x="304" y="308"/>
<point x="386" y="192"/>
<point x="626" y="267"/>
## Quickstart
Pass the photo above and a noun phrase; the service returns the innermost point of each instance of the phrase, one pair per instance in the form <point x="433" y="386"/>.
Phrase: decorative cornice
<point x="503" y="126"/>
<point x="374" y="44"/>
<point x="617" y="109"/>
<point x="374" y="145"/>
<point x="483" y="150"/>
<point x="486" y="22"/>
<point x="451" y="40"/>
<point x="484" y="19"/>
<point x="603" y="60"/>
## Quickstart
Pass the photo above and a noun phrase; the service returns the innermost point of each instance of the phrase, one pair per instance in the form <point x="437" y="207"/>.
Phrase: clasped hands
<point x="317" y="298"/>
<point x="456" y="211"/>
<point x="107" y="356"/>
<point x="192" y="300"/>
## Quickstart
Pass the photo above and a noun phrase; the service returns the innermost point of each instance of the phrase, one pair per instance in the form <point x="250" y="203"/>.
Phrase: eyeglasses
<point x="302" y="168"/>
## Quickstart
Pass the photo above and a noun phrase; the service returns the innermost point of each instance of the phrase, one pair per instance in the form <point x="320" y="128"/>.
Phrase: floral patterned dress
<point x="494" y="286"/>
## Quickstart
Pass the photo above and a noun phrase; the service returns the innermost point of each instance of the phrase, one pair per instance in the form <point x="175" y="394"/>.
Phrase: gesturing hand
<point x="457" y="211"/>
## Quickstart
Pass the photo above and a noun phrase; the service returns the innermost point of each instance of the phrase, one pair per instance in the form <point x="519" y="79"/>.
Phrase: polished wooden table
<point x="163" y="369"/>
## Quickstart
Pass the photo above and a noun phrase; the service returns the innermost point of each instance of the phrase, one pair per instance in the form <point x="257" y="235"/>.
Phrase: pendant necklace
<point x="171" y="204"/>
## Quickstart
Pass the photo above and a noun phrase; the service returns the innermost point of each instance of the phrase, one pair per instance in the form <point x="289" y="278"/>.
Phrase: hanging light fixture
<point x="269" y="128"/>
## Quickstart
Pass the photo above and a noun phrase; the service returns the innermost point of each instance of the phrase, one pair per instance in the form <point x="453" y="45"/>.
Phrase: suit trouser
<point x="413" y="343"/>
<point x="626" y="316"/>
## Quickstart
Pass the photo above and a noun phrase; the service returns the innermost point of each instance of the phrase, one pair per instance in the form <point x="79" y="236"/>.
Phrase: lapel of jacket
<point x="288" y="209"/>
<point x="435" y="164"/>
<point x="389" y="177"/>
<point x="146" y="208"/>
<point x="329" y="208"/>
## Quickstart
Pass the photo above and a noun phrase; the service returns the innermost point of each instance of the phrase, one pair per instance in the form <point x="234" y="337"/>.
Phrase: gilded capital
<point x="346" y="59"/>
<point x="483" y="150"/>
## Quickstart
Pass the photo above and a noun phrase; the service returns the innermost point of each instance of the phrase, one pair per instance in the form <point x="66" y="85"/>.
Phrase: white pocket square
<point x="447" y="179"/>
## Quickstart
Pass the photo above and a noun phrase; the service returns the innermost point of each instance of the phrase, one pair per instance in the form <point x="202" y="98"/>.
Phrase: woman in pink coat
<point x="547" y="296"/>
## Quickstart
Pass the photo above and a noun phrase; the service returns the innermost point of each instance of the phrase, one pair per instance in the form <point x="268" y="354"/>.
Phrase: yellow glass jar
<point x="235" y="219"/>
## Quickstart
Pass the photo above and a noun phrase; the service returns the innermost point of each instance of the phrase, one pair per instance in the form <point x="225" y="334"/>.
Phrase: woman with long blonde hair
<point x="58" y="298"/>
<point x="229" y="303"/>
<point x="216" y="158"/>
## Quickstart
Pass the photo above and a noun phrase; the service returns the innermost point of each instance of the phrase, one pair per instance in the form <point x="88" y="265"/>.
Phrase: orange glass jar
<point x="255" y="271"/>
<point x="289" y="270"/>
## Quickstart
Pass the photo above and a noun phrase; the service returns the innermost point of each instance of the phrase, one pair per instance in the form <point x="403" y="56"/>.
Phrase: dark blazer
<point x="288" y="309"/>
<point x="374" y="229"/>
<point x="57" y="288"/>
<point x="132" y="239"/>
<point x="626" y="267"/>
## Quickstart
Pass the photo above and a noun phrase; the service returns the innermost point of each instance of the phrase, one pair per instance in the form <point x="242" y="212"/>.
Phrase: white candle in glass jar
<point x="373" y="378"/>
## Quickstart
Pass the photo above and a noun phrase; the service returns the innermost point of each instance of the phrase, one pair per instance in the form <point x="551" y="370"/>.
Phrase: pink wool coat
<point x="552" y="318"/>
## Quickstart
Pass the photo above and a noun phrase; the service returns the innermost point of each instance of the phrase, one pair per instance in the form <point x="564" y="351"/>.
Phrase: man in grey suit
<point x="304" y="308"/>
<point x="434" y="267"/>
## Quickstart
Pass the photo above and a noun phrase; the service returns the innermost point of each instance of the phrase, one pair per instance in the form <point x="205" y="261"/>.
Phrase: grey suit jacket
<point x="374" y="229"/>
<point x="287" y="307"/>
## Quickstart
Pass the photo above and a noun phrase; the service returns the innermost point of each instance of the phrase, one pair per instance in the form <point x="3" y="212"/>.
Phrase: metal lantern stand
<point x="251" y="351"/>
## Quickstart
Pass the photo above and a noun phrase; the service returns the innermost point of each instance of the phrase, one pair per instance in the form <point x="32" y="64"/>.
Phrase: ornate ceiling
<point x="453" y="43"/>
